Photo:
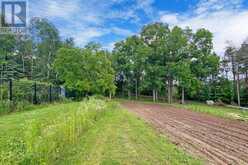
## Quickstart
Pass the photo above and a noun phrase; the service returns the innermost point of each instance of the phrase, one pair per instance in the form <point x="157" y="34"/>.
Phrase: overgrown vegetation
<point x="9" y="106"/>
<point x="218" y="111"/>
<point x="89" y="132"/>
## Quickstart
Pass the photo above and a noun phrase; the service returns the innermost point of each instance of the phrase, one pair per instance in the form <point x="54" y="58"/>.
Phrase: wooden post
<point x="35" y="94"/>
<point x="10" y="90"/>
<point x="136" y="89"/>
<point x="50" y="93"/>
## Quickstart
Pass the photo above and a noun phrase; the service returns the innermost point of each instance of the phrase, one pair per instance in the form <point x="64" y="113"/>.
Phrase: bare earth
<point x="216" y="140"/>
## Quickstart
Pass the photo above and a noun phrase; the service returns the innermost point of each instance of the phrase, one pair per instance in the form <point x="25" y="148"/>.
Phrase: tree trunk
<point x="183" y="95"/>
<point x="110" y="95"/>
<point x="234" y="77"/>
<point x="170" y="86"/>
<point x="122" y="90"/>
<point x="156" y="95"/>
<point x="168" y="93"/>
<point x="246" y="78"/>
<point x="153" y="95"/>
<point x="238" y="90"/>
<point x="136" y="89"/>
<point x="129" y="94"/>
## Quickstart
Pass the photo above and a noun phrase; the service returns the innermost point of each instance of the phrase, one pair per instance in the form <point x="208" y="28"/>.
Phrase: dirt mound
<point x="218" y="141"/>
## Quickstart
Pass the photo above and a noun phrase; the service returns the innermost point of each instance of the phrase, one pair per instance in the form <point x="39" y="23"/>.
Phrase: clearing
<point x="217" y="140"/>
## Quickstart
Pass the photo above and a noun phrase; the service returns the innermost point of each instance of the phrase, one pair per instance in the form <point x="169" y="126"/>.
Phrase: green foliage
<point x="167" y="56"/>
<point x="7" y="107"/>
<point x="85" y="70"/>
<point x="46" y="42"/>
<point x="129" y="59"/>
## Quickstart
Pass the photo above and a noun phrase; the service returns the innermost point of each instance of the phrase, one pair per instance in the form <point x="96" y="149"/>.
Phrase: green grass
<point x="219" y="111"/>
<point x="90" y="132"/>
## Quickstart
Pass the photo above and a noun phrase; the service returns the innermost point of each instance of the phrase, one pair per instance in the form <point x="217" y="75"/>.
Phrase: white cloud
<point x="214" y="5"/>
<point x="109" y="46"/>
<point x="85" y="35"/>
<point x="54" y="9"/>
<point x="86" y="20"/>
<point x="171" y="19"/>
<point x="121" y="32"/>
<point x="224" y="20"/>
<point x="146" y="6"/>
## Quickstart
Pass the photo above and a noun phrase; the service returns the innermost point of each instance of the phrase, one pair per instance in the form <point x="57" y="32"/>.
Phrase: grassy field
<point x="219" y="111"/>
<point x="89" y="132"/>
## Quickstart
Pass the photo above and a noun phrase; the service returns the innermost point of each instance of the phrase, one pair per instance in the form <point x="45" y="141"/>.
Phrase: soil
<point x="217" y="141"/>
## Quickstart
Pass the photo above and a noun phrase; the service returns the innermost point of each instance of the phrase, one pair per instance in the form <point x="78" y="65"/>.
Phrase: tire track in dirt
<point x="218" y="141"/>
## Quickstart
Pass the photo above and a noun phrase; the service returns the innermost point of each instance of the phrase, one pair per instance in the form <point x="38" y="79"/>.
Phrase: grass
<point x="90" y="132"/>
<point x="219" y="111"/>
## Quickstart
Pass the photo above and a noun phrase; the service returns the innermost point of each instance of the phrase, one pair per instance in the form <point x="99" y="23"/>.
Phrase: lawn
<point x="89" y="132"/>
<point x="219" y="111"/>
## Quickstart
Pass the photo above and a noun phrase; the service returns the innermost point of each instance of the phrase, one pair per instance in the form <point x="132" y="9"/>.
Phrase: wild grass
<point x="219" y="111"/>
<point x="89" y="132"/>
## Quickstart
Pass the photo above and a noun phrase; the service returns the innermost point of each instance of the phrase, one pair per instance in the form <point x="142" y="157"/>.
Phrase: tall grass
<point x="220" y="111"/>
<point x="46" y="140"/>
<point x="10" y="106"/>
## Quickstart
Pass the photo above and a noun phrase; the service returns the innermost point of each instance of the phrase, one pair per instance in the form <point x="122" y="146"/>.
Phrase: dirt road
<point x="218" y="141"/>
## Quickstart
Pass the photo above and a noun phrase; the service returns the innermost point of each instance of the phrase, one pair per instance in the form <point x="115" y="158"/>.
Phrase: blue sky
<point x="109" y="21"/>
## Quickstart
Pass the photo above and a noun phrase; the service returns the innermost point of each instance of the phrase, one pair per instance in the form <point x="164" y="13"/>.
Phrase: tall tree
<point x="46" y="42"/>
<point x="232" y="55"/>
<point x="205" y="64"/>
<point x="156" y="37"/>
<point x="130" y="59"/>
<point x="85" y="70"/>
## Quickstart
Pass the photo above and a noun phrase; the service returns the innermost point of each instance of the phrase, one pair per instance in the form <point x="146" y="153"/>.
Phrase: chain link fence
<point x="29" y="91"/>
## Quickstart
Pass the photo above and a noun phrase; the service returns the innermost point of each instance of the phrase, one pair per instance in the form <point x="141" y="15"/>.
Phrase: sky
<point x="110" y="21"/>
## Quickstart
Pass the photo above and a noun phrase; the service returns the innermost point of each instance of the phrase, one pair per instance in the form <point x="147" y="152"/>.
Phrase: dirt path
<point x="218" y="141"/>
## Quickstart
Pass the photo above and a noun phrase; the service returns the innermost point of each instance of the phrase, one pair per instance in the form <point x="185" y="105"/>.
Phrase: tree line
<point x="161" y="61"/>
<point x="179" y="63"/>
<point x="43" y="56"/>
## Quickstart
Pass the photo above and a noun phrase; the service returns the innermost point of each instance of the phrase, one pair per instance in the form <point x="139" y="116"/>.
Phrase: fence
<point x="29" y="91"/>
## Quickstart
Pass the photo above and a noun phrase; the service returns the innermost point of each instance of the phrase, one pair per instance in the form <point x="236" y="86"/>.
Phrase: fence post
<point x="10" y="90"/>
<point x="35" y="94"/>
<point x="50" y="93"/>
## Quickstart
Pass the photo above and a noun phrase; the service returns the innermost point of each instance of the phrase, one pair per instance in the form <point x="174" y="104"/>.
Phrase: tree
<point x="85" y="70"/>
<point x="156" y="37"/>
<point x="130" y="59"/>
<point x="178" y="54"/>
<point x="242" y="58"/>
<point x="231" y="54"/>
<point x="205" y="63"/>
<point x="69" y="42"/>
<point x="46" y="42"/>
